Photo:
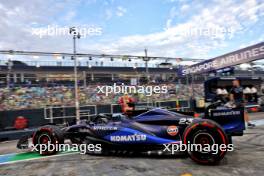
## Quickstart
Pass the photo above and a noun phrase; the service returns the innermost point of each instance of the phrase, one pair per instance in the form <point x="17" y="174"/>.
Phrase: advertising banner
<point x="244" y="55"/>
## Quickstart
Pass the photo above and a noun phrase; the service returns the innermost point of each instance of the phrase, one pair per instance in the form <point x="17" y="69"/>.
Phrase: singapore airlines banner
<point x="244" y="55"/>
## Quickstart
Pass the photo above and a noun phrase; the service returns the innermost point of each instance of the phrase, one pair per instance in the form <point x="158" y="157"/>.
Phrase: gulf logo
<point x="172" y="130"/>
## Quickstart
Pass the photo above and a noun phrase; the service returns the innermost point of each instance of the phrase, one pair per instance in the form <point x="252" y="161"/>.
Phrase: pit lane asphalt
<point x="246" y="160"/>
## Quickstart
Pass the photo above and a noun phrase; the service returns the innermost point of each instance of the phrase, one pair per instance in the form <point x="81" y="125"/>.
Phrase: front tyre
<point x="46" y="138"/>
<point x="207" y="142"/>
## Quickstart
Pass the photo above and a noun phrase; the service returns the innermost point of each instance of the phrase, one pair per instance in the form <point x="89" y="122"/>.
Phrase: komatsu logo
<point x="127" y="138"/>
<point x="228" y="113"/>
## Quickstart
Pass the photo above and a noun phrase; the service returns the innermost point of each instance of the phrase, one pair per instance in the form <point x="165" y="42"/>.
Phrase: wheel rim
<point x="203" y="139"/>
<point x="44" y="139"/>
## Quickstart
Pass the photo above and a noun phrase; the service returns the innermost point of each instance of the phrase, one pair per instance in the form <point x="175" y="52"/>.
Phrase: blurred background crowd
<point x="40" y="97"/>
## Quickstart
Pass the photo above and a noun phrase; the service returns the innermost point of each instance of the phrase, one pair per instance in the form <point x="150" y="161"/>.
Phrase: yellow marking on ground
<point x="186" y="174"/>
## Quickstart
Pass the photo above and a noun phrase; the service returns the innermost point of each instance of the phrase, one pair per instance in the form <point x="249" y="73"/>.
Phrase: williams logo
<point x="227" y="113"/>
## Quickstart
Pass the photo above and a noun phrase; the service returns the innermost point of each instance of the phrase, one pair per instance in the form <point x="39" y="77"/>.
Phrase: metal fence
<point x="70" y="63"/>
<point x="66" y="114"/>
<point x="87" y="111"/>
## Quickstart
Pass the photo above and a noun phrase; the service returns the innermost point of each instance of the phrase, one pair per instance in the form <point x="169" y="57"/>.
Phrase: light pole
<point x="9" y="67"/>
<point x="146" y="59"/>
<point x="76" y="35"/>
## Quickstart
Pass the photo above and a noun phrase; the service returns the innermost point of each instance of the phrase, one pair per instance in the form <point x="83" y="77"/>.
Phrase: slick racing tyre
<point x="49" y="134"/>
<point x="208" y="138"/>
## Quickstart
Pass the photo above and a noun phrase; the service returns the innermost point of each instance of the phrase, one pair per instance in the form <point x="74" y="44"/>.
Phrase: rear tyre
<point x="46" y="138"/>
<point x="210" y="137"/>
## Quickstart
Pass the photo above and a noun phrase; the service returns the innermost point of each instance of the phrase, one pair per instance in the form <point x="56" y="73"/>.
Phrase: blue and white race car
<point x="148" y="132"/>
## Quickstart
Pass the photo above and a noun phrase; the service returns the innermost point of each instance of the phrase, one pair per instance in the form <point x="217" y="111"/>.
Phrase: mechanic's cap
<point x="219" y="91"/>
<point x="224" y="91"/>
<point x="253" y="90"/>
<point x="247" y="90"/>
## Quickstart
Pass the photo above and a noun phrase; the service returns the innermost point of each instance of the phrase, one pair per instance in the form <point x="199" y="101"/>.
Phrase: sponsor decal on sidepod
<point x="172" y="130"/>
<point x="134" y="137"/>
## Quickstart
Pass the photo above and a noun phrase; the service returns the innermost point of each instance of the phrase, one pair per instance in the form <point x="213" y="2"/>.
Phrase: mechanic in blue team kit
<point x="238" y="98"/>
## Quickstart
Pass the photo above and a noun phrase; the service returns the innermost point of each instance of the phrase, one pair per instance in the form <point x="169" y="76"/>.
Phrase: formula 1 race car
<point x="148" y="132"/>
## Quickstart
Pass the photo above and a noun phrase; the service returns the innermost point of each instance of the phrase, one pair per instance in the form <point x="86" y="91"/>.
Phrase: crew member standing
<point x="125" y="102"/>
<point x="238" y="98"/>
